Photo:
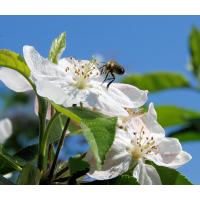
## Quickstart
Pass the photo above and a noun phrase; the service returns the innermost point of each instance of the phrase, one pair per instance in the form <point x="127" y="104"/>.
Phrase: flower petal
<point x="51" y="91"/>
<point x="5" y="130"/>
<point x="116" y="163"/>
<point x="152" y="111"/>
<point x="170" y="154"/>
<point x="111" y="168"/>
<point x="14" y="80"/>
<point x="41" y="67"/>
<point x="146" y="174"/>
<point x="137" y="96"/>
<point x="106" y="104"/>
<point x="150" y="121"/>
<point x="119" y="96"/>
<point x="169" y="146"/>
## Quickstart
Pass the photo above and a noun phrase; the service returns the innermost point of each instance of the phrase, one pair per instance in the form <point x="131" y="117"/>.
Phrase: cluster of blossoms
<point x="138" y="138"/>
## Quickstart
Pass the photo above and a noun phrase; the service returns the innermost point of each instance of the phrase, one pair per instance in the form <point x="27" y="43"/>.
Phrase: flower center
<point x="83" y="74"/>
<point x="141" y="145"/>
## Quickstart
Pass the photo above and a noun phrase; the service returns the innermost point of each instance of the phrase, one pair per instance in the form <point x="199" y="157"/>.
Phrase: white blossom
<point x="80" y="82"/>
<point x="74" y="82"/>
<point x="143" y="139"/>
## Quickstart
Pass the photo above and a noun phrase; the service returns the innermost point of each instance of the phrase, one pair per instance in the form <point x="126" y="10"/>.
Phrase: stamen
<point x="142" y="144"/>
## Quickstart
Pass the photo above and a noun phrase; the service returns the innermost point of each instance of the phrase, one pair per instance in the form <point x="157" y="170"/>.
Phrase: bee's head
<point x="122" y="70"/>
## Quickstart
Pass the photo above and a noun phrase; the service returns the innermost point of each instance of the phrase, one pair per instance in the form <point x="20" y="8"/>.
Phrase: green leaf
<point x="55" y="131"/>
<point x="8" y="163"/>
<point x="120" y="180"/>
<point x="30" y="175"/>
<point x="14" y="61"/>
<point x="186" y="136"/>
<point x="157" y="81"/>
<point x="57" y="47"/>
<point x="78" y="167"/>
<point x="99" y="130"/>
<point x="169" y="115"/>
<point x="194" y="46"/>
<point x="4" y="181"/>
<point x="190" y="132"/>
<point x="85" y="113"/>
<point x="99" y="133"/>
<point x="67" y="112"/>
<point x="124" y="180"/>
<point x="170" y="176"/>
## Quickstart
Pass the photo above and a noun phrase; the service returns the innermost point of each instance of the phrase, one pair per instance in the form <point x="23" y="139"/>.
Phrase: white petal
<point x="137" y="96"/>
<point x="146" y="174"/>
<point x="116" y="163"/>
<point x="111" y="168"/>
<point x="105" y="104"/>
<point x="170" y="154"/>
<point x="14" y="80"/>
<point x="67" y="66"/>
<point x="150" y="121"/>
<point x="119" y="96"/>
<point x="65" y="62"/>
<point x="169" y="146"/>
<point x="41" y="67"/>
<point x="152" y="111"/>
<point x="181" y="159"/>
<point x="51" y="91"/>
<point x="5" y="130"/>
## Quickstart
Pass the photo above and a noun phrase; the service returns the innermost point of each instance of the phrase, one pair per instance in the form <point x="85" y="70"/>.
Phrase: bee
<point x="111" y="68"/>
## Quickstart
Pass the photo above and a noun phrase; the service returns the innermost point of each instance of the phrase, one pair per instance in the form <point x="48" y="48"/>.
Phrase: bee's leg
<point x="102" y="69"/>
<point x="112" y="79"/>
<point x="106" y="77"/>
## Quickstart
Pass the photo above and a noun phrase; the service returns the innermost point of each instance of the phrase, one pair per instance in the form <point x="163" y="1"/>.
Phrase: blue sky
<point x="141" y="43"/>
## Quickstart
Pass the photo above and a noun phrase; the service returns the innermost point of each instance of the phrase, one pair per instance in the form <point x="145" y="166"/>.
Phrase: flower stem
<point x="60" y="144"/>
<point x="42" y="124"/>
<point x="44" y="143"/>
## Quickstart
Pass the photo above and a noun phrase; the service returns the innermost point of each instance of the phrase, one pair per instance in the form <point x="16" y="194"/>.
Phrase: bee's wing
<point x="99" y="58"/>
